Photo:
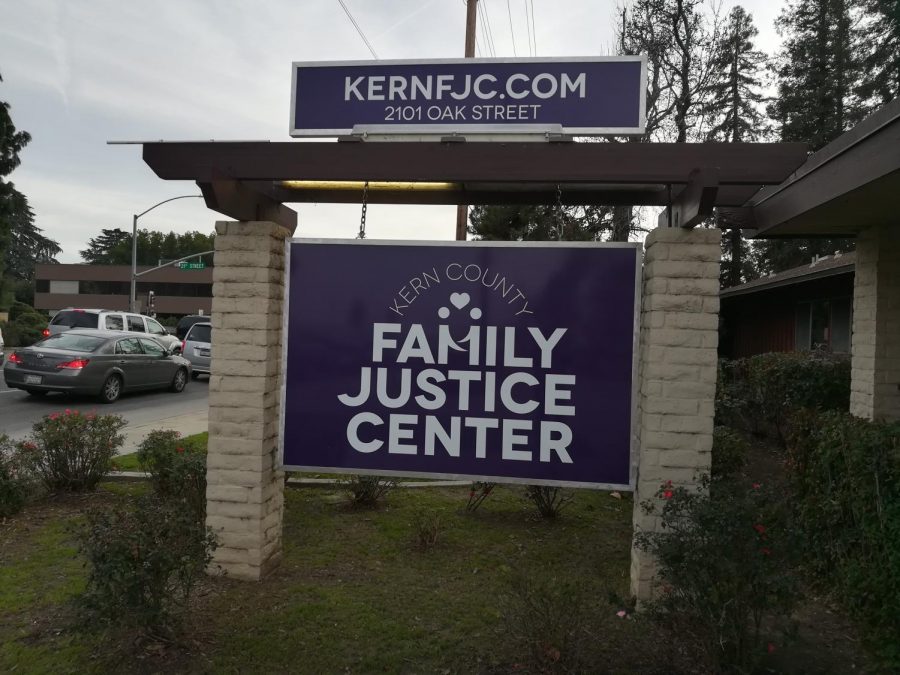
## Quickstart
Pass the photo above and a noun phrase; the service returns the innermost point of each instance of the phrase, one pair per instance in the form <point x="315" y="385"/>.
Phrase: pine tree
<point x="732" y="103"/>
<point x="818" y="72"/>
<point x="21" y="242"/>
<point x="881" y="60"/>
<point x="111" y="247"/>
<point x="733" y="97"/>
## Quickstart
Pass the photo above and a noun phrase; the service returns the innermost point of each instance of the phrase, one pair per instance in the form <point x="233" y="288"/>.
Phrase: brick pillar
<point x="677" y="371"/>
<point x="245" y="491"/>
<point x="875" y="346"/>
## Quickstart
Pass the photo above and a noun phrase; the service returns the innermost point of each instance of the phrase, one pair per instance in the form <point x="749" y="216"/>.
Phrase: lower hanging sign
<point x="503" y="362"/>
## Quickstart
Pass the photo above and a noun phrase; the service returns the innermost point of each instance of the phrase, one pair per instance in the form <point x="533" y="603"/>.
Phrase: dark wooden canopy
<point x="850" y="184"/>
<point x="245" y="180"/>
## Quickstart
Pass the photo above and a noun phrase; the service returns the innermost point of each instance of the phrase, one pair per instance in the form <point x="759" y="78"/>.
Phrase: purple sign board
<point x="490" y="361"/>
<point x="586" y="96"/>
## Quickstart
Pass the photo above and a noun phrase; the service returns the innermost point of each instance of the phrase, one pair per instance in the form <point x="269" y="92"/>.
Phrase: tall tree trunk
<point x="621" y="223"/>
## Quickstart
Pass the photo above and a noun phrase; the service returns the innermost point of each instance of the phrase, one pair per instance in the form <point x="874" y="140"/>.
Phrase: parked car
<point x="197" y="349"/>
<point x="102" y="319"/>
<point x="95" y="362"/>
<point x="1" y="345"/>
<point x="185" y="323"/>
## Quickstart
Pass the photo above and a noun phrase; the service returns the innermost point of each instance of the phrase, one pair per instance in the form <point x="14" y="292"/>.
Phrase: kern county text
<point x="422" y="92"/>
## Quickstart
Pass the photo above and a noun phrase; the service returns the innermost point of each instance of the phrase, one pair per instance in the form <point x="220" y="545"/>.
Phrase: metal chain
<point x="559" y="213"/>
<point x="362" y="218"/>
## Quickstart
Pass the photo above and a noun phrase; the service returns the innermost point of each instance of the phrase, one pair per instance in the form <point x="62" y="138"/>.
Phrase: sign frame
<point x="637" y="247"/>
<point x="425" y="130"/>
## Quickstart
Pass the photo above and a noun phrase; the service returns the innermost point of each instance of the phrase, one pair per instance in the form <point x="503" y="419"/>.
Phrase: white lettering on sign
<point x="446" y="86"/>
<point x="525" y="386"/>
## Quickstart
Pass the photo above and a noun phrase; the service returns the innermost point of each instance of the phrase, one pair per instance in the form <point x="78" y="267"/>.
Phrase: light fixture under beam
<point x="374" y="186"/>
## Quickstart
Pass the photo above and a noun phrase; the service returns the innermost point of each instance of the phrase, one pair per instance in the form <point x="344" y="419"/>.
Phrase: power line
<point x="358" y="29"/>
<point x="528" y="27"/>
<point x="511" y="32"/>
<point x="533" y="29"/>
<point x="489" y="34"/>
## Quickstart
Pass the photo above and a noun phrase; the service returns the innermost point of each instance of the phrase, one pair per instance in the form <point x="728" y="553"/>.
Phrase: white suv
<point x="104" y="319"/>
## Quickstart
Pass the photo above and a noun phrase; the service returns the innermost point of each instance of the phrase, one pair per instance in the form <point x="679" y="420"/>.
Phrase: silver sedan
<point x="95" y="362"/>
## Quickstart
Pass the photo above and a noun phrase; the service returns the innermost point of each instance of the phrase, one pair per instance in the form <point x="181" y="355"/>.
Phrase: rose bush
<point x="70" y="451"/>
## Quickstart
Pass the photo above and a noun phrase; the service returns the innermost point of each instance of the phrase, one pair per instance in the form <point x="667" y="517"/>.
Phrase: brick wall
<point x="245" y="491"/>
<point x="875" y="350"/>
<point x="677" y="371"/>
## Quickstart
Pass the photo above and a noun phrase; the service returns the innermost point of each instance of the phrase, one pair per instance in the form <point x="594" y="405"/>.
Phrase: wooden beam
<point x="618" y="163"/>
<point x="696" y="201"/>
<point x="236" y="200"/>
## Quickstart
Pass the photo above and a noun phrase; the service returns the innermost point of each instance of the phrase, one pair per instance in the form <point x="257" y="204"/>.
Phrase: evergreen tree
<point x="881" y="60"/>
<point x="539" y="223"/>
<point x="113" y="247"/>
<point x="21" y="243"/>
<point x="732" y="99"/>
<point x="732" y="103"/>
<point x="818" y="72"/>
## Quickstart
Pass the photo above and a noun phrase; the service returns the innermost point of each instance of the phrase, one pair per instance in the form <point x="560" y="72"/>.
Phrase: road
<point x="185" y="412"/>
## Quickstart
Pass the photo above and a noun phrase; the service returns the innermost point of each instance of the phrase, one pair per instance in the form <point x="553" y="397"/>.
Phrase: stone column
<point x="677" y="371"/>
<point x="245" y="491"/>
<point x="875" y="345"/>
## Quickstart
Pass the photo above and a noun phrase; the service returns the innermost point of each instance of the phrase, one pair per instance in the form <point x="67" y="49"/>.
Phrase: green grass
<point x="353" y="591"/>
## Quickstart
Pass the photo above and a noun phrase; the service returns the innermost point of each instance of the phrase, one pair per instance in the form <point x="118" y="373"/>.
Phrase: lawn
<point x="355" y="593"/>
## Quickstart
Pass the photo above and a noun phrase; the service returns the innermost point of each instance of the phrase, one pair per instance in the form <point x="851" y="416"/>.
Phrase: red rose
<point x="668" y="494"/>
<point x="760" y="528"/>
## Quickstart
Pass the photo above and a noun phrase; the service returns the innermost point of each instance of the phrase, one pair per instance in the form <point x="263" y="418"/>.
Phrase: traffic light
<point x="151" y="308"/>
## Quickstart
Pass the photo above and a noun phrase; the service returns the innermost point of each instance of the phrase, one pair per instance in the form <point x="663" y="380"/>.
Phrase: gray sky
<point x="80" y="73"/>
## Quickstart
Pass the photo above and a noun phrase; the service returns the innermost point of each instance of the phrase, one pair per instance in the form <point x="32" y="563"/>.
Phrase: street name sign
<point x="584" y="96"/>
<point x="495" y="361"/>
<point x="192" y="265"/>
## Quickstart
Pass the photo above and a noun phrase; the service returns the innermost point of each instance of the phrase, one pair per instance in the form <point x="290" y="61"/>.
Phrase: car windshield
<point x="199" y="334"/>
<point x="72" y="342"/>
<point x="75" y="319"/>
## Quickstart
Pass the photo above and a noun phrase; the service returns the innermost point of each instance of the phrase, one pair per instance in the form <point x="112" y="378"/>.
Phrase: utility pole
<point x="462" y="211"/>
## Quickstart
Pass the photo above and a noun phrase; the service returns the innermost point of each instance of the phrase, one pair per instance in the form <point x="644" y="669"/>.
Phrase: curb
<point x="304" y="482"/>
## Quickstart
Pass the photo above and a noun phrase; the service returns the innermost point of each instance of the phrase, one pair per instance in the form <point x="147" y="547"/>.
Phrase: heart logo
<point x="459" y="300"/>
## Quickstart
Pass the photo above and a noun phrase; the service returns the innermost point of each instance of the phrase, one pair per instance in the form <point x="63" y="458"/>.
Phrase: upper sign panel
<point x="585" y="96"/>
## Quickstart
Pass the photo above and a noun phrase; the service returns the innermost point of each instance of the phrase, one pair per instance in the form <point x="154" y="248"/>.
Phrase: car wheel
<point x="195" y="376"/>
<point x="111" y="390"/>
<point x="179" y="381"/>
<point x="37" y="393"/>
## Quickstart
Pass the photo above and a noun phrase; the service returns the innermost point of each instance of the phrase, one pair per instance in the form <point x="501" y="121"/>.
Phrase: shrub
<point x="729" y="452"/>
<point x="550" y="501"/>
<point x="365" y="491"/>
<point x="428" y="526"/>
<point x="70" y="451"/>
<point x="760" y="393"/>
<point x="545" y="621"/>
<point x="726" y="559"/>
<point x="177" y="469"/>
<point x="845" y="473"/>
<point x="14" y="486"/>
<point x="145" y="560"/>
